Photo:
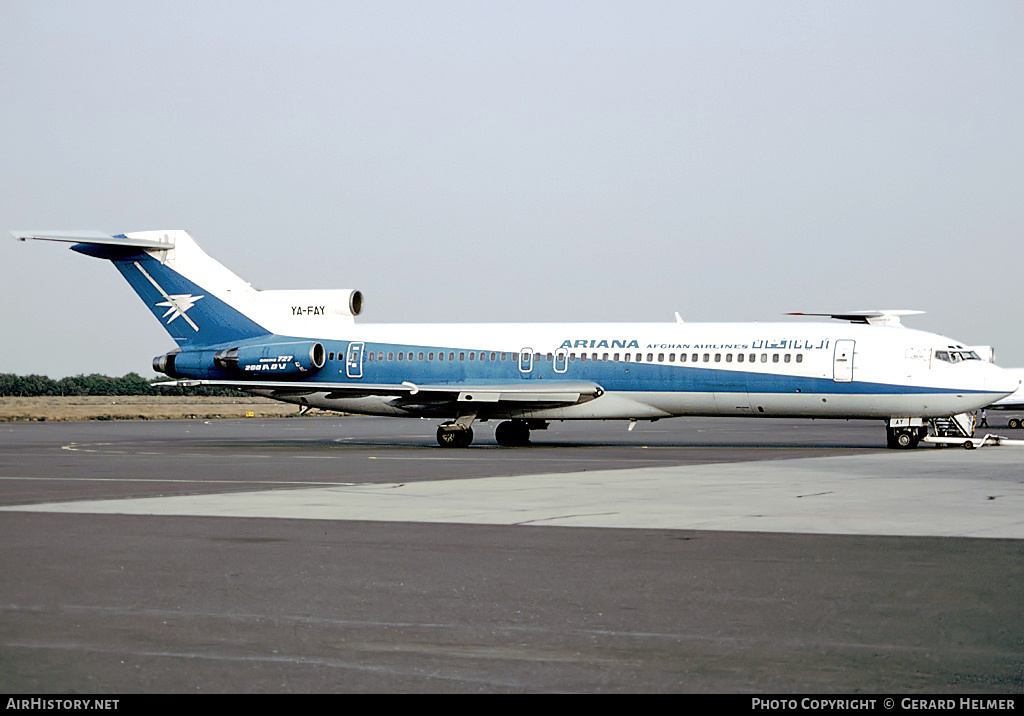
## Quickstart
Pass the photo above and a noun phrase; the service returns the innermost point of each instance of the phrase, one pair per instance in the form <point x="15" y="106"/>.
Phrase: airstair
<point x="954" y="426"/>
<point x="959" y="430"/>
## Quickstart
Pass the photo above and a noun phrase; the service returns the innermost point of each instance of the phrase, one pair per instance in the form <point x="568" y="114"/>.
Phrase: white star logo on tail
<point x="178" y="304"/>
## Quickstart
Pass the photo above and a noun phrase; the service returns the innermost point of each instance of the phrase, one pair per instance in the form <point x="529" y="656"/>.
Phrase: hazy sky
<point x="517" y="161"/>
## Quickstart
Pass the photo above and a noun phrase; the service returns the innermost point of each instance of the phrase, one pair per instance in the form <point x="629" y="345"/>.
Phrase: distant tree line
<point x="12" y="385"/>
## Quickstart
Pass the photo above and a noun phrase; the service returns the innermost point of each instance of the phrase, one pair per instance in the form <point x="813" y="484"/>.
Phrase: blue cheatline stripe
<point x="612" y="376"/>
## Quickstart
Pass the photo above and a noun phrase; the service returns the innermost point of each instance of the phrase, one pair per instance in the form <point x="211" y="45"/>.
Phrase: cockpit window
<point x="956" y="356"/>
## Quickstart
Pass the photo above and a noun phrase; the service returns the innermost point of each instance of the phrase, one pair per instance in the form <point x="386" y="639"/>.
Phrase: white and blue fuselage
<point x="645" y="371"/>
<point x="305" y="347"/>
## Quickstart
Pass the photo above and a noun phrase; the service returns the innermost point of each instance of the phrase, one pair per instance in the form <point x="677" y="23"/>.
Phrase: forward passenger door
<point x="842" y="362"/>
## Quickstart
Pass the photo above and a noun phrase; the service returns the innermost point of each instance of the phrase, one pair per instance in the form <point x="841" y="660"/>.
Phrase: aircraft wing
<point x="526" y="394"/>
<point x="885" y="317"/>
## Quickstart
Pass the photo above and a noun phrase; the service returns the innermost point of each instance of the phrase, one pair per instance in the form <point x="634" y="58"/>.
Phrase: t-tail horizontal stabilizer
<point x="196" y="299"/>
<point x="97" y="238"/>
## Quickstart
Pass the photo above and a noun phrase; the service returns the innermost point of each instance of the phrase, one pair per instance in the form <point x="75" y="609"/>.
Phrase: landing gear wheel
<point x="454" y="437"/>
<point x="903" y="438"/>
<point x="512" y="433"/>
<point x="1014" y="423"/>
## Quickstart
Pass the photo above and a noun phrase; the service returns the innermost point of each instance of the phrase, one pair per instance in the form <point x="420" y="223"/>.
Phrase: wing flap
<point x="547" y="393"/>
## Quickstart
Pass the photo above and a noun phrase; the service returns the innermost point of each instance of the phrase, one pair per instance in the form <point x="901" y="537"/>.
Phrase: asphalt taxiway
<point x="353" y="554"/>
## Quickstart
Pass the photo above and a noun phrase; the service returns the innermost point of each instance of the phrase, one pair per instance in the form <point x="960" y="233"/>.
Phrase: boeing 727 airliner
<point x="305" y="347"/>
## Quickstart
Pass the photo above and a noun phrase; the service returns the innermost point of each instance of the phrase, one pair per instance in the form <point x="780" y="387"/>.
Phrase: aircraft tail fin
<point x="198" y="300"/>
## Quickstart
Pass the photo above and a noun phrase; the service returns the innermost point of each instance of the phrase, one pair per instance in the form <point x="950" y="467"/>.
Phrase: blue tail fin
<point x="198" y="301"/>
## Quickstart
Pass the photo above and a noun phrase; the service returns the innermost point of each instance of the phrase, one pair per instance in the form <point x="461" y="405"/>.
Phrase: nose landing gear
<point x="904" y="438"/>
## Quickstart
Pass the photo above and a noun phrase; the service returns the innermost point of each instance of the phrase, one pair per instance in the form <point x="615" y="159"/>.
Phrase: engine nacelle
<point x="165" y="363"/>
<point x="187" y="364"/>
<point x="274" y="360"/>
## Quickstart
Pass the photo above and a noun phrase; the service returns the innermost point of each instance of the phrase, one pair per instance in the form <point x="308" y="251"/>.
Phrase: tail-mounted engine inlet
<point x="273" y="360"/>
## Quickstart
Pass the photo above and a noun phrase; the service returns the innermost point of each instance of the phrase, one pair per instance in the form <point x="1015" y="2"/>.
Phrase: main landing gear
<point x="510" y="433"/>
<point x="452" y="435"/>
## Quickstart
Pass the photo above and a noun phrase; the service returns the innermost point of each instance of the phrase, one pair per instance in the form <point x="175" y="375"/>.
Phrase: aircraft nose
<point x="998" y="380"/>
